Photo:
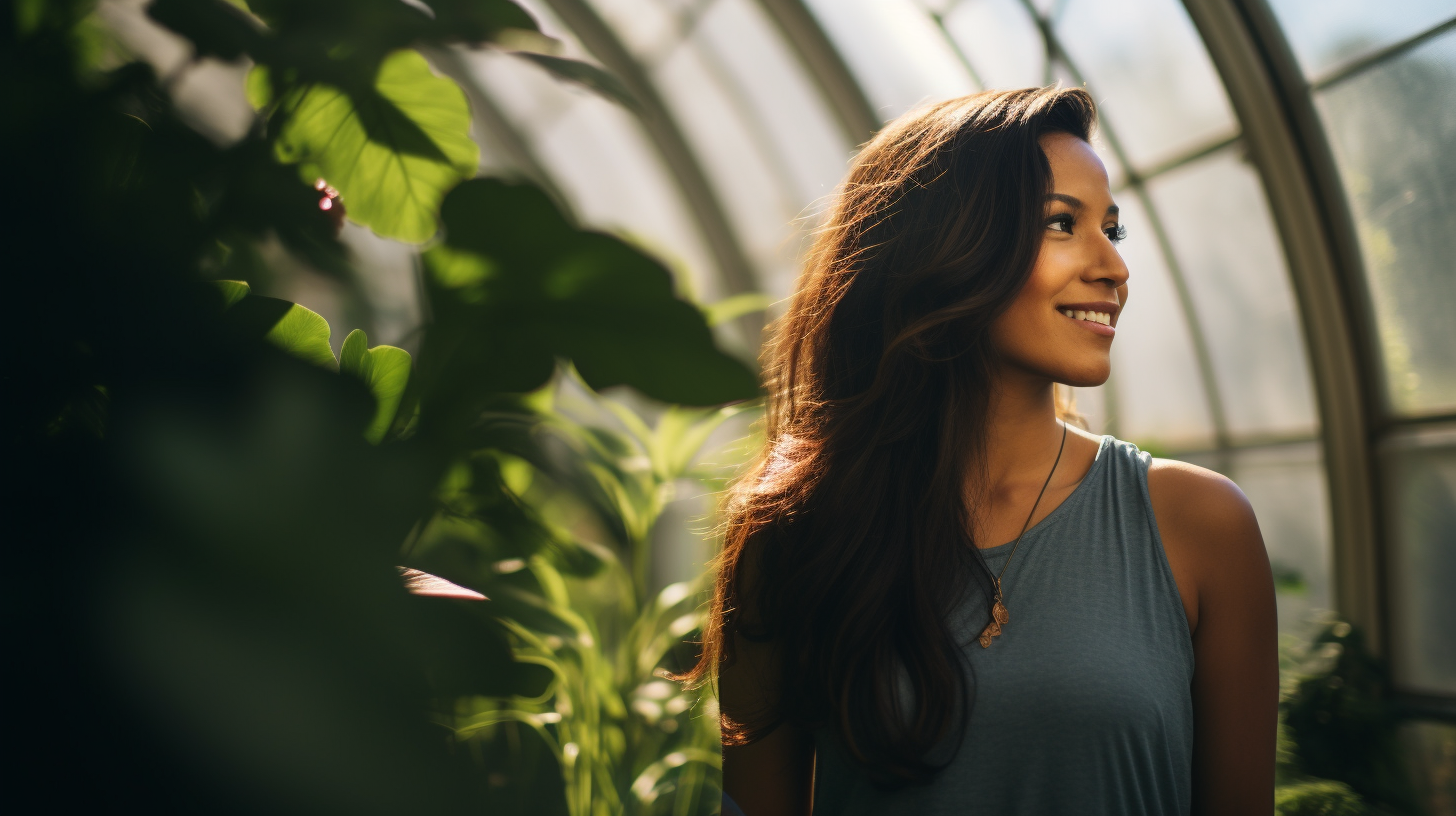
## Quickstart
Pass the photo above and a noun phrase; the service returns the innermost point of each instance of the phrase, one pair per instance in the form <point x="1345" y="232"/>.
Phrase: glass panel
<point x="1160" y="401"/>
<point x="895" y="51"/>
<point x="1420" y="473"/>
<point x="735" y="155"/>
<point x="1219" y="224"/>
<point x="1286" y="487"/>
<point x="814" y="152"/>
<point x="646" y="27"/>
<point x="1150" y="73"/>
<point x="1326" y="33"/>
<point x="1000" y="40"/>
<point x="1393" y="131"/>
<point x="795" y="132"/>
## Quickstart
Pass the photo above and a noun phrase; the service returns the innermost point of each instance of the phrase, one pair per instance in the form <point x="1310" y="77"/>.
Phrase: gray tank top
<point x="1083" y="705"/>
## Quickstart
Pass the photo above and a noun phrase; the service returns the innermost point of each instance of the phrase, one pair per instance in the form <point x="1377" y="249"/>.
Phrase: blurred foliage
<point x="208" y="510"/>
<point x="1338" y="750"/>
<point x="617" y="736"/>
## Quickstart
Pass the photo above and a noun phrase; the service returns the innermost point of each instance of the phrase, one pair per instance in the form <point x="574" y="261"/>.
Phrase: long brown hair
<point x="849" y="543"/>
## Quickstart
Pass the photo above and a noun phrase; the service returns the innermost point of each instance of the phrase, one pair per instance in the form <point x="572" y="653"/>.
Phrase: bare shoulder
<point x="1209" y="533"/>
<point x="1184" y="493"/>
<point x="1217" y="554"/>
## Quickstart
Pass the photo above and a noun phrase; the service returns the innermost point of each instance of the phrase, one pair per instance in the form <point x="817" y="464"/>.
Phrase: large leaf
<point x="293" y="328"/>
<point x="385" y="369"/>
<point x="392" y="151"/>
<point x="233" y="291"/>
<point x="304" y="334"/>
<point x="215" y="27"/>
<point x="520" y="286"/>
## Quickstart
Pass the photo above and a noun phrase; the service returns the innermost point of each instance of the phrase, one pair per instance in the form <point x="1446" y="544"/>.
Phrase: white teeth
<point x="1095" y="317"/>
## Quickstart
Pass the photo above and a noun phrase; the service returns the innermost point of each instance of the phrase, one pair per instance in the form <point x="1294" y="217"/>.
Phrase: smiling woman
<point x="936" y="595"/>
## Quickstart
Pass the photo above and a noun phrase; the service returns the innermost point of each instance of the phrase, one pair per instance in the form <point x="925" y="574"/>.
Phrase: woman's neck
<point x="1022" y="432"/>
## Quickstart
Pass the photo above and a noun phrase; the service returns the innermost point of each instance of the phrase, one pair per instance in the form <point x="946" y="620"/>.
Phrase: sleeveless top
<point x="1083" y="705"/>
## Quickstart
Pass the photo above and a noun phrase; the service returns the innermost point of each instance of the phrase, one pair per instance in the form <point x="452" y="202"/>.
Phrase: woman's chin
<point x="1088" y="377"/>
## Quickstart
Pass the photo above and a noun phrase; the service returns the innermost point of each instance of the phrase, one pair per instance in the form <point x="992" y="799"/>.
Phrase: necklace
<point x="999" y="616"/>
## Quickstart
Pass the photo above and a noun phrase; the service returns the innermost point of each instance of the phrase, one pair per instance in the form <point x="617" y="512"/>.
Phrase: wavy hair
<point x="849" y="542"/>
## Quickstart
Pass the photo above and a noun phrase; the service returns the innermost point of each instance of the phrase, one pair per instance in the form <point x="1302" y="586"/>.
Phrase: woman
<point x="935" y="596"/>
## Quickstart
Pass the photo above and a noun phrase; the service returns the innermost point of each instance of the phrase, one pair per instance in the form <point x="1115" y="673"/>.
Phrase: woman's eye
<point x="1115" y="234"/>
<point x="1060" y="223"/>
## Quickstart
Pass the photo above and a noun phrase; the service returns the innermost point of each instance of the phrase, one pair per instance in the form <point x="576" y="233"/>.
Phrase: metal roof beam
<point x="1287" y="144"/>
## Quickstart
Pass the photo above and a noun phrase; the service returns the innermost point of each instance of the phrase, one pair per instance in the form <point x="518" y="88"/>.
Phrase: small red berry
<point x="331" y="204"/>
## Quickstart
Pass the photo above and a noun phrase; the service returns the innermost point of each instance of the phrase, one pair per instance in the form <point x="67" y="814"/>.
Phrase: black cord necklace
<point x="999" y="616"/>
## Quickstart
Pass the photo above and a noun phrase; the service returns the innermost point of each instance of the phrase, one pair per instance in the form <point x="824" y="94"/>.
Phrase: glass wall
<point x="1383" y="80"/>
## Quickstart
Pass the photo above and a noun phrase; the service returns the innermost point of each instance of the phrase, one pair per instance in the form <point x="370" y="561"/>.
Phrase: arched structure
<point x="1285" y="167"/>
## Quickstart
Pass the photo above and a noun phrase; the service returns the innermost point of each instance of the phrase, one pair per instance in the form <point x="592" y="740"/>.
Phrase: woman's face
<point x="1078" y="270"/>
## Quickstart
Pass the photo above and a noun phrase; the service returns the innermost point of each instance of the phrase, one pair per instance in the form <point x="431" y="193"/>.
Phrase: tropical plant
<point x="209" y="508"/>
<point x="1338" y="752"/>
<point x="624" y="739"/>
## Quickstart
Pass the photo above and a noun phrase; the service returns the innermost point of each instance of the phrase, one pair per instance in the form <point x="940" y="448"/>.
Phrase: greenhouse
<point x="1284" y="169"/>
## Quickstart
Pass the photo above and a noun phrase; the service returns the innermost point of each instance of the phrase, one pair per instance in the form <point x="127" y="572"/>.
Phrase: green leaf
<point x="304" y="334"/>
<point x="233" y="291"/>
<point x="680" y="435"/>
<point x="542" y="288"/>
<point x="259" y="87"/>
<point x="392" y="151"/>
<point x="476" y="21"/>
<point x="385" y="369"/>
<point x="215" y="27"/>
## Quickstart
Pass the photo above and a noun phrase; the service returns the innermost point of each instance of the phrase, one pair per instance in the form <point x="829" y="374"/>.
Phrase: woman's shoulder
<point x="1209" y="531"/>
<point x="1190" y="493"/>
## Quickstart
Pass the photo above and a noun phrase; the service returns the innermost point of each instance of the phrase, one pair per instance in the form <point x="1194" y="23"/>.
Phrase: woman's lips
<point x="1104" y="329"/>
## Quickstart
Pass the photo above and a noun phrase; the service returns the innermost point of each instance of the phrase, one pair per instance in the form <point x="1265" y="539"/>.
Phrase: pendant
<point x="999" y="617"/>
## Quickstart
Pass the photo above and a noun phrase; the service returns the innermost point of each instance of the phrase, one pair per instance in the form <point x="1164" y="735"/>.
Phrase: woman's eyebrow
<point x="1076" y="203"/>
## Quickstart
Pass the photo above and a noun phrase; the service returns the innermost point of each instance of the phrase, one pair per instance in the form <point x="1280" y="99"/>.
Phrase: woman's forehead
<point x="1075" y="164"/>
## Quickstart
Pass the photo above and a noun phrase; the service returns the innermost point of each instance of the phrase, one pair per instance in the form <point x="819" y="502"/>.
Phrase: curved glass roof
<point x="1210" y="365"/>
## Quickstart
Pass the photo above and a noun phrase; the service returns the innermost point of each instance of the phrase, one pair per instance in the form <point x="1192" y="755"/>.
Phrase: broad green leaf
<point x="458" y="270"/>
<point x="304" y="334"/>
<point x="216" y="28"/>
<point x="391" y="151"/>
<point x="385" y="369"/>
<point x="539" y="288"/>
<point x="233" y="291"/>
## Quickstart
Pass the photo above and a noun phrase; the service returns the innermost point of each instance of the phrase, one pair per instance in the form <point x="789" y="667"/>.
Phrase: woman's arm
<point x="1218" y="558"/>
<point x="774" y="775"/>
